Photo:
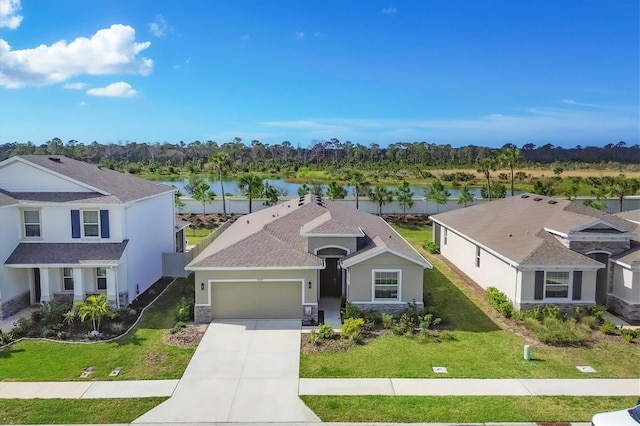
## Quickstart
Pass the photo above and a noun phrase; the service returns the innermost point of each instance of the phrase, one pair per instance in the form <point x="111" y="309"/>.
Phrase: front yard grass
<point x="462" y="409"/>
<point x="142" y="354"/>
<point x="70" y="411"/>
<point x="481" y="349"/>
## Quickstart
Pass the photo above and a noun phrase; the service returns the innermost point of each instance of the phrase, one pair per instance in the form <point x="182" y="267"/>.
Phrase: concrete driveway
<point x="242" y="371"/>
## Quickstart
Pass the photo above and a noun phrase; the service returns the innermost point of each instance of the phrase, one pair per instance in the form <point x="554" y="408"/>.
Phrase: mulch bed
<point x="188" y="337"/>
<point x="207" y="221"/>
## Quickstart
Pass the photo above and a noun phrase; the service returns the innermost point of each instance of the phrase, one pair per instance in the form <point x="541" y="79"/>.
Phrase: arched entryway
<point x="331" y="277"/>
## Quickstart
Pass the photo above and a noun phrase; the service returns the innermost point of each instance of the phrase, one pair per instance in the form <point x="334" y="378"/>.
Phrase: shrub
<point x="177" y="328"/>
<point x="63" y="335"/>
<point x="351" y="311"/>
<point x="314" y="336"/>
<point x="500" y="302"/>
<point x="387" y="321"/>
<point x="446" y="336"/>
<point x="431" y="247"/>
<point x="551" y="311"/>
<point x="116" y="328"/>
<point x="589" y="322"/>
<point x="426" y="322"/>
<point x="325" y="331"/>
<point x="48" y="333"/>
<point x="184" y="310"/>
<point x="23" y="327"/>
<point x="52" y="313"/>
<point x="406" y="325"/>
<point x="608" y="327"/>
<point x="352" y="328"/>
<point x="531" y="323"/>
<point x="628" y="334"/>
<point x="597" y="312"/>
<point x="560" y="333"/>
<point x="5" y="338"/>
<point x="371" y="316"/>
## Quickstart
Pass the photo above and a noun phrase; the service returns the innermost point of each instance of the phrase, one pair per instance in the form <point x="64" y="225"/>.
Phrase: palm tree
<point x="623" y="186"/>
<point x="201" y="193"/>
<point x="485" y="166"/>
<point x="381" y="195"/>
<point x="251" y="185"/>
<point x="357" y="180"/>
<point x="95" y="308"/>
<point x="511" y="158"/>
<point x="221" y="162"/>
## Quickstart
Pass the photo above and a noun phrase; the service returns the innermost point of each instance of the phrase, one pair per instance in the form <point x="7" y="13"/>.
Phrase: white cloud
<point x="159" y="27"/>
<point x="298" y="35"/>
<point x="109" y="51"/>
<point x="9" y="17"/>
<point x="75" y="86"/>
<point x="114" y="90"/>
<point x="576" y="103"/>
<point x="388" y="11"/>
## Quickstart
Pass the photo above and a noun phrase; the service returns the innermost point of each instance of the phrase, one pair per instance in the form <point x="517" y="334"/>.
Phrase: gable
<point x="17" y="176"/>
<point x="600" y="228"/>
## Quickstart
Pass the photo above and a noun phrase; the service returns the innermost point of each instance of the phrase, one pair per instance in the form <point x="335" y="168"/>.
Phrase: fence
<point x="173" y="263"/>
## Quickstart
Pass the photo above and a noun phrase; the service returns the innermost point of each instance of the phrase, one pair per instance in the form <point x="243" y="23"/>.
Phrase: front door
<point x="36" y="285"/>
<point x="602" y="278"/>
<point x="331" y="278"/>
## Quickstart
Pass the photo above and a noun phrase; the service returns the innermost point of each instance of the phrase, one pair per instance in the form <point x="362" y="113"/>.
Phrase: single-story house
<point x="540" y="250"/>
<point x="281" y="261"/>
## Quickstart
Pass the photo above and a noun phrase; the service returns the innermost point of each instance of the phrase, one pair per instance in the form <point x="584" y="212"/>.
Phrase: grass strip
<point x="462" y="409"/>
<point x="71" y="411"/>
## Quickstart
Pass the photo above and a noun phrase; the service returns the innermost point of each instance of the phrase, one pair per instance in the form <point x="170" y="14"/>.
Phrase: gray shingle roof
<point x="510" y="227"/>
<point x="6" y="199"/>
<point x="632" y="215"/>
<point x="123" y="187"/>
<point x="67" y="253"/>
<point x="272" y="237"/>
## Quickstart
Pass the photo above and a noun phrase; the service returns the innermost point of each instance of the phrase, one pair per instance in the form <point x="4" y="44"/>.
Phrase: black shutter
<point x="75" y="223"/>
<point x="577" y="285"/>
<point x="539" y="289"/>
<point x="104" y="223"/>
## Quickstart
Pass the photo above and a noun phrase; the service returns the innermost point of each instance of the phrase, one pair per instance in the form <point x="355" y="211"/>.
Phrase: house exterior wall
<point x="150" y="230"/>
<point x="20" y="177"/>
<point x="314" y="243"/>
<point x="360" y="283"/>
<point x="624" y="297"/>
<point x="13" y="282"/>
<point x="493" y="271"/>
<point x="613" y="247"/>
<point x="527" y="286"/>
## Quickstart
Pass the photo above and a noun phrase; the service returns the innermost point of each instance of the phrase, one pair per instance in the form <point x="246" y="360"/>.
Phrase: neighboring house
<point x="281" y="261"/>
<point x="69" y="229"/>
<point x="539" y="250"/>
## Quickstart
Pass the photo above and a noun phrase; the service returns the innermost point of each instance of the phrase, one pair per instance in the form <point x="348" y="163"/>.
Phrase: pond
<point x="291" y="189"/>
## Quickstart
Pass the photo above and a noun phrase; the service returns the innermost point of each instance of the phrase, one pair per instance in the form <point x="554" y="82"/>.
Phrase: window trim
<point x="373" y="286"/>
<point x="83" y="224"/>
<point x="65" y="277"/>
<point x="98" y="277"/>
<point x="24" y="223"/>
<point x="569" y="286"/>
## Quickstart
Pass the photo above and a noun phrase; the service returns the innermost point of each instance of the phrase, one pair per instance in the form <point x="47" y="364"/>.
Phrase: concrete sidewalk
<point x="475" y="387"/>
<point x="88" y="390"/>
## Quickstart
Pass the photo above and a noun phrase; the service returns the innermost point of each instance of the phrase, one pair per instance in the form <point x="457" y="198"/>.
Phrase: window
<point x="445" y="236"/>
<point x="101" y="278"/>
<point x="67" y="279"/>
<point x="386" y="285"/>
<point x="477" y="257"/>
<point x="31" y="223"/>
<point x="91" y="223"/>
<point x="556" y="285"/>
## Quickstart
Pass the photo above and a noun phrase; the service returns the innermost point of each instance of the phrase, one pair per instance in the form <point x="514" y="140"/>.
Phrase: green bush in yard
<point x="608" y="327"/>
<point x="184" y="310"/>
<point x="351" y="311"/>
<point x="628" y="334"/>
<point x="406" y="325"/>
<point x="325" y="331"/>
<point x="500" y="302"/>
<point x="431" y="247"/>
<point x="387" y="321"/>
<point x="556" y="332"/>
<point x="352" y="328"/>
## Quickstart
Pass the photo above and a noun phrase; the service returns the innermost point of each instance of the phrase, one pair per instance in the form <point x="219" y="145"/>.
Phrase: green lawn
<point x="70" y="411"/>
<point x="194" y="236"/>
<point x="142" y="354"/>
<point x="462" y="409"/>
<point x="480" y="349"/>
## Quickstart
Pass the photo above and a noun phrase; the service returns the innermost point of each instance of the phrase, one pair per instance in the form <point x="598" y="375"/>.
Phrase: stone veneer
<point x="14" y="305"/>
<point x="202" y="314"/>
<point x="564" y="307"/>
<point x="629" y="312"/>
<point x="311" y="319"/>
<point x="388" y="308"/>
<point x="613" y="247"/>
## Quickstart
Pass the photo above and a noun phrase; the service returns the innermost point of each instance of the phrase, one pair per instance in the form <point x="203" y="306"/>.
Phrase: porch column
<point x="78" y="285"/>
<point x="112" y="293"/>
<point x="45" y="291"/>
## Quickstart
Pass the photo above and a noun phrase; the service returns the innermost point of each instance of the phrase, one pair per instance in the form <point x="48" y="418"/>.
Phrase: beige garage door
<point x="256" y="300"/>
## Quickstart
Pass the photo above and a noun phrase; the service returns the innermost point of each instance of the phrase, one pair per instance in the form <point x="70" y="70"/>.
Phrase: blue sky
<point x="443" y="71"/>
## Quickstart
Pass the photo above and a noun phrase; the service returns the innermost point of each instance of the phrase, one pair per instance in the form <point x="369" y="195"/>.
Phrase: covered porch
<point x="71" y="271"/>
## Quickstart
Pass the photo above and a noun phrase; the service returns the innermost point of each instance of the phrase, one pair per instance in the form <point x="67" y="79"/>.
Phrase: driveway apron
<point x="242" y="371"/>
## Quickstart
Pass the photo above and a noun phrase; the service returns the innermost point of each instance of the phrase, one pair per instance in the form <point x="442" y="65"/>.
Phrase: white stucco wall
<point x="626" y="284"/>
<point x="12" y="281"/>
<point x="150" y="230"/>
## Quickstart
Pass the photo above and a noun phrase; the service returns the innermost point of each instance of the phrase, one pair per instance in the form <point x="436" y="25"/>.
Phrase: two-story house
<point x="540" y="250"/>
<point x="282" y="261"/>
<point x="69" y="229"/>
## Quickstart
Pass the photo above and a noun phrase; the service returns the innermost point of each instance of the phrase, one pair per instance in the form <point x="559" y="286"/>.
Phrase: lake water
<point x="291" y="189"/>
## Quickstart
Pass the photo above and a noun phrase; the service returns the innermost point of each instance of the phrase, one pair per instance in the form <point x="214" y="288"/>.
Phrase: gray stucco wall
<point x="314" y="243"/>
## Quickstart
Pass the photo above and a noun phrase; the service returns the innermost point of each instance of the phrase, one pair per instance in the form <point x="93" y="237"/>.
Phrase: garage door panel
<point x="257" y="300"/>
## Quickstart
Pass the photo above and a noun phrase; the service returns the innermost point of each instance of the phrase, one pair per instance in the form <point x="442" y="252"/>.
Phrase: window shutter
<point x="104" y="223"/>
<point x="75" y="223"/>
<point x="538" y="293"/>
<point x="577" y="285"/>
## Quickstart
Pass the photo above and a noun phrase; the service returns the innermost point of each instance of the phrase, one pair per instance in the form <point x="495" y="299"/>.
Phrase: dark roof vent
<point x="524" y="196"/>
<point x="537" y="199"/>
<point x="55" y="159"/>
<point x="552" y="202"/>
